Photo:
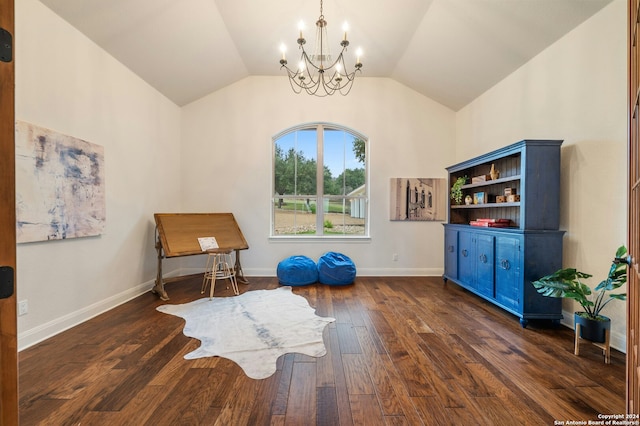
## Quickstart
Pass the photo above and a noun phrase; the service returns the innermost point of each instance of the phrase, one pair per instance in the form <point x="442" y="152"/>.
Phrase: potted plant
<point x="567" y="283"/>
<point x="456" y="189"/>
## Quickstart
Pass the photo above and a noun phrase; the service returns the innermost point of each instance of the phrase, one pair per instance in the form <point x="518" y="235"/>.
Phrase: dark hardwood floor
<point x="402" y="351"/>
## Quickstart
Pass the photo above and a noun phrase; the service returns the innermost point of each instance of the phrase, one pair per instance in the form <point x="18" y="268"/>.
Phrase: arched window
<point x="320" y="179"/>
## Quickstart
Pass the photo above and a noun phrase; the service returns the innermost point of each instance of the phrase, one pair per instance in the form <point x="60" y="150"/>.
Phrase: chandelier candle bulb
<point x="345" y="28"/>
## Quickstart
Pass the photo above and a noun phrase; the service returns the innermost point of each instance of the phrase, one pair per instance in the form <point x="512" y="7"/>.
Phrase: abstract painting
<point x="418" y="199"/>
<point x="60" y="188"/>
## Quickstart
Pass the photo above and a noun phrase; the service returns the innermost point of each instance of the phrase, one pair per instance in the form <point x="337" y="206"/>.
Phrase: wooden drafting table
<point x="177" y="235"/>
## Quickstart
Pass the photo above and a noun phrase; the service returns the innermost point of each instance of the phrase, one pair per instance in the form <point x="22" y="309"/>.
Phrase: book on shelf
<point x="480" y="179"/>
<point x="492" y="220"/>
<point x="489" y="224"/>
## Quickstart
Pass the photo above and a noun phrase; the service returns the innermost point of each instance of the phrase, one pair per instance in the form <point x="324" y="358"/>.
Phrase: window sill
<point x="319" y="239"/>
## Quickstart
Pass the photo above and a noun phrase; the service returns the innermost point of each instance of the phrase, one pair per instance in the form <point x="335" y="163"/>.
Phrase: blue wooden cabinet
<point x="485" y="270"/>
<point x="499" y="263"/>
<point x="508" y="271"/>
<point x="475" y="261"/>
<point x="467" y="259"/>
<point x="451" y="253"/>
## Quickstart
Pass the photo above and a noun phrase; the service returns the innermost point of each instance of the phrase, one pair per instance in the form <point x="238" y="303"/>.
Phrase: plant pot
<point x="590" y="329"/>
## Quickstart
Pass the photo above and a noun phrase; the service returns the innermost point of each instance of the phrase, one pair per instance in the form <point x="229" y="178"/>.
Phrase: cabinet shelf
<point x="491" y="182"/>
<point x="486" y="205"/>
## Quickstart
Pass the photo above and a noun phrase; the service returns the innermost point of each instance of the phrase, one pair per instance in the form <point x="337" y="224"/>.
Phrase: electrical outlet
<point x="23" y="307"/>
<point x="395" y="257"/>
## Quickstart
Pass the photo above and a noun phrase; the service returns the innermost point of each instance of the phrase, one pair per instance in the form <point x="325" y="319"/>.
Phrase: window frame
<point x="319" y="128"/>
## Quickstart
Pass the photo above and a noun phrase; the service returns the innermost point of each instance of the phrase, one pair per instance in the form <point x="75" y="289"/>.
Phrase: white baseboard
<point x="49" y="329"/>
<point x="367" y="272"/>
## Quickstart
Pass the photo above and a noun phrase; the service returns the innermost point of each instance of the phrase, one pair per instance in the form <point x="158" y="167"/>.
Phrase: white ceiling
<point x="449" y="50"/>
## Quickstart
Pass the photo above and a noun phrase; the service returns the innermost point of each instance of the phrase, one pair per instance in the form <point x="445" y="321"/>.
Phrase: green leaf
<point x="619" y="296"/>
<point x="567" y="283"/>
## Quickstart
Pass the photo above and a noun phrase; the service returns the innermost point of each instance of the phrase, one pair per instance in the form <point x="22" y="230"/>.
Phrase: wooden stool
<point x="219" y="266"/>
<point x="606" y="350"/>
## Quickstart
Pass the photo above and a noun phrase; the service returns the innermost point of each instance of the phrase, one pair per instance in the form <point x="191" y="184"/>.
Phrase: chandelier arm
<point x="295" y="81"/>
<point x="293" y="86"/>
<point x="340" y="59"/>
<point x="349" y="86"/>
<point x="328" y="90"/>
<point x="308" y="62"/>
<point x="291" y="74"/>
<point x="312" y="87"/>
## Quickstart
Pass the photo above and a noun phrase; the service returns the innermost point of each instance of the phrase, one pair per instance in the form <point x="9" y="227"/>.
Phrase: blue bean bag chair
<point x="336" y="269"/>
<point x="297" y="271"/>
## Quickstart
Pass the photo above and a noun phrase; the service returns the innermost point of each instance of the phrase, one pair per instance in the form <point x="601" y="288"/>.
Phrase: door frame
<point x="8" y="319"/>
<point x="633" y="212"/>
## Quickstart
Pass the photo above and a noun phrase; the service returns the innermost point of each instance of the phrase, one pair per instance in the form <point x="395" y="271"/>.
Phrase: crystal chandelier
<point x="318" y="74"/>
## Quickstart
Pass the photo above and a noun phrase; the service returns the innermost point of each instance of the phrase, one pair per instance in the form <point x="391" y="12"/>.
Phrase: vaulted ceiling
<point x="449" y="50"/>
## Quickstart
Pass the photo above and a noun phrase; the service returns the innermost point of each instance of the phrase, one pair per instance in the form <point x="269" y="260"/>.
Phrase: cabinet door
<point x="508" y="274"/>
<point x="451" y="253"/>
<point x="485" y="264"/>
<point x="467" y="259"/>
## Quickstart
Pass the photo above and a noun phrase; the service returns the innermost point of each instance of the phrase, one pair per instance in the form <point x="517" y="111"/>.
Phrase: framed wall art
<point x="418" y="199"/>
<point x="60" y="185"/>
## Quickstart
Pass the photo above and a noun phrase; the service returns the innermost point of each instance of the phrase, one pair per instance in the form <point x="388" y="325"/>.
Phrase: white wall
<point x="575" y="90"/>
<point x="64" y="82"/>
<point x="227" y="166"/>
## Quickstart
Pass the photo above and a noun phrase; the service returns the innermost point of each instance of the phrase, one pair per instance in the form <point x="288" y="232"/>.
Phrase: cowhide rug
<point x="253" y="329"/>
